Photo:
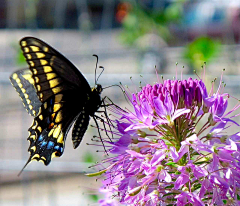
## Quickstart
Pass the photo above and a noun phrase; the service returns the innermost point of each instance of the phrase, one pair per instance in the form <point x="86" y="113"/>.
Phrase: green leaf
<point x="173" y="164"/>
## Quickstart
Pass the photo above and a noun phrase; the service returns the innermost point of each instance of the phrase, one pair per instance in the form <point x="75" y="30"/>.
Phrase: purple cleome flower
<point x="163" y="158"/>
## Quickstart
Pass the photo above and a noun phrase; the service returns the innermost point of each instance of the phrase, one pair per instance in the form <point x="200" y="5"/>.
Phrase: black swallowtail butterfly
<point x="56" y="94"/>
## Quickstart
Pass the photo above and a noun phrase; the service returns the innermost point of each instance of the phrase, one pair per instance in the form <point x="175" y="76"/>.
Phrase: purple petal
<point x="159" y="107"/>
<point x="174" y="153"/>
<point x="180" y="112"/>
<point x="135" y="154"/>
<point x="181" y="180"/>
<point x="158" y="157"/>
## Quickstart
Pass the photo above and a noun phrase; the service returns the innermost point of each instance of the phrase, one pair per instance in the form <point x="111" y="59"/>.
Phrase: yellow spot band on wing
<point x="38" y="87"/>
<point x="54" y="82"/>
<point x="40" y="55"/>
<point x="39" y="129"/>
<point x="35" y="156"/>
<point x="47" y="69"/>
<point x="27" y="76"/>
<point x="26" y="50"/>
<point x="41" y="117"/>
<point x="34" y="71"/>
<point x="43" y="62"/>
<point x="56" y="107"/>
<point x="32" y="137"/>
<point x="58" y="117"/>
<point x="14" y="76"/>
<point x="43" y="158"/>
<point x="45" y="49"/>
<point x="60" y="139"/>
<point x="36" y="79"/>
<point x="57" y="132"/>
<point x="34" y="127"/>
<point x="51" y="132"/>
<point x="33" y="148"/>
<point x="28" y="56"/>
<point x="53" y="155"/>
<point x="56" y="90"/>
<point x="34" y="48"/>
<point x="50" y="75"/>
<point x="58" y="98"/>
<point x="31" y="63"/>
<point x="24" y="43"/>
<point x="53" y="115"/>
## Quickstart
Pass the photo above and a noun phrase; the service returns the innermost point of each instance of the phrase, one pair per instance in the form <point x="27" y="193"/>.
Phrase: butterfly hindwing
<point x="24" y="84"/>
<point x="49" y="129"/>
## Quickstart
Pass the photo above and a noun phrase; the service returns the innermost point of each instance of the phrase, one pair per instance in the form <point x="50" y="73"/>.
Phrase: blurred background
<point x="130" y="38"/>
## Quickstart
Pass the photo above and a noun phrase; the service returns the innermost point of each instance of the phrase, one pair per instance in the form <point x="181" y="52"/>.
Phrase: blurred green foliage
<point x="19" y="58"/>
<point x="94" y="198"/>
<point x="89" y="158"/>
<point x="202" y="49"/>
<point x="140" y="21"/>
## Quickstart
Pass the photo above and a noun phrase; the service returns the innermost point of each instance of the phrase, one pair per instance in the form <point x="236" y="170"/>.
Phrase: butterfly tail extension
<point x="80" y="128"/>
<point x="29" y="160"/>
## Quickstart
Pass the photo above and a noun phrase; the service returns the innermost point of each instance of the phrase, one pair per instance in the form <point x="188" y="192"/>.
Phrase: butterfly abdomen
<point x="80" y="127"/>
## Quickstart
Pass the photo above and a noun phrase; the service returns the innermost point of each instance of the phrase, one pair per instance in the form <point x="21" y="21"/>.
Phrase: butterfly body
<point x="56" y="94"/>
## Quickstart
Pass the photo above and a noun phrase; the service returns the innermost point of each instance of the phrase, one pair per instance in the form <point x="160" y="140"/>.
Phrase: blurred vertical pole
<point x="59" y="14"/>
<point x="108" y="14"/>
<point x="50" y="180"/>
<point x="106" y="22"/>
<point x="30" y="12"/>
<point x="12" y="13"/>
<point x="83" y="16"/>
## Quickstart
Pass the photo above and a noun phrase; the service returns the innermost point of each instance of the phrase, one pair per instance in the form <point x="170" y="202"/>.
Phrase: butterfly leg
<point x="107" y="118"/>
<point x="95" y="120"/>
<point x="103" y="122"/>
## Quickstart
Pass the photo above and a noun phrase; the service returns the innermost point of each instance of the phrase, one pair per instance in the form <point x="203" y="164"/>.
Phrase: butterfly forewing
<point x="52" y="72"/>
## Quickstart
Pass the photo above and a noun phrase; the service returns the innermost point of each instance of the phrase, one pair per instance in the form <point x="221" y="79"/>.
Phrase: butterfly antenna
<point x="29" y="160"/>
<point x="116" y="85"/>
<point x="101" y="72"/>
<point x="96" y="67"/>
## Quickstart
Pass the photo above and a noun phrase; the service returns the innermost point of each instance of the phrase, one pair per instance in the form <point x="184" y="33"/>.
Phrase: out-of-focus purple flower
<point x="164" y="157"/>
